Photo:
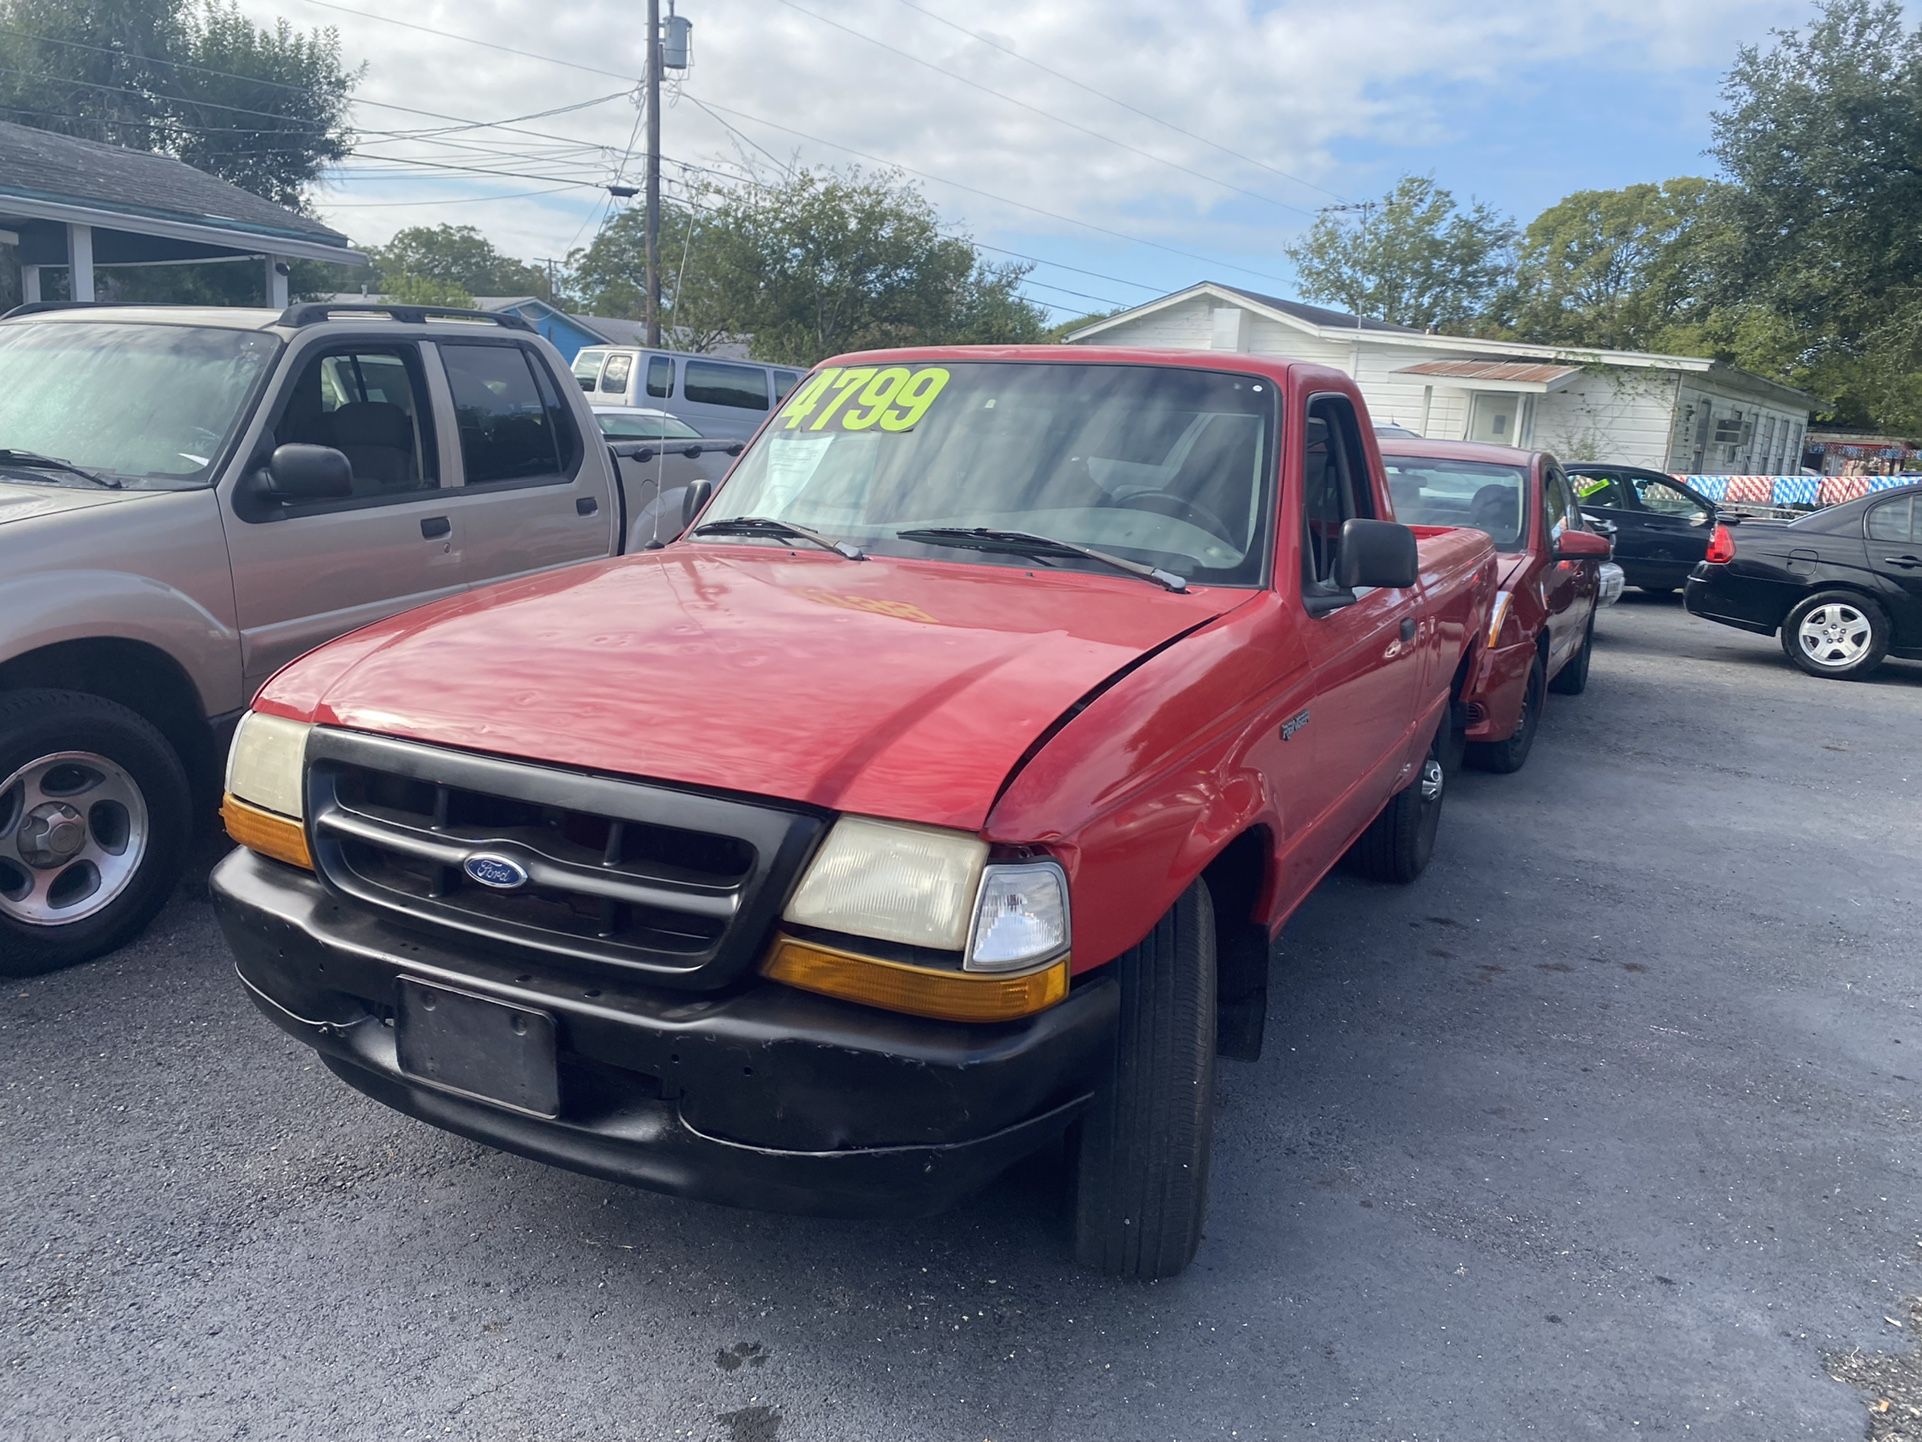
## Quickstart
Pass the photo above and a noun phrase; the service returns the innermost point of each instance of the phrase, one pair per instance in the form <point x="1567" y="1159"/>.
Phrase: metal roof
<point x="61" y="177"/>
<point x="1522" y="372"/>
<point x="1316" y="314"/>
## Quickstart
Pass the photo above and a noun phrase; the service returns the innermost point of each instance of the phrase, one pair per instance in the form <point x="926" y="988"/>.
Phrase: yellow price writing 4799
<point x="854" y="398"/>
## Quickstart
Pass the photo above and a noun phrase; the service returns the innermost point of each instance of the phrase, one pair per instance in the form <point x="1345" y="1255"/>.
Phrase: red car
<point x="1542" y="629"/>
<point x="937" y="795"/>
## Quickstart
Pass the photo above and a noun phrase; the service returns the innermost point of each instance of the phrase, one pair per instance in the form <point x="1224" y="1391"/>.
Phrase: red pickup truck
<point x="939" y="793"/>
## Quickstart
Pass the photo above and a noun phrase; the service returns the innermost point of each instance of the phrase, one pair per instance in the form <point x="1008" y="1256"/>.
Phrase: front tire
<point x="95" y="821"/>
<point x="1837" y="634"/>
<point x="1507" y="757"/>
<point x="1142" y="1151"/>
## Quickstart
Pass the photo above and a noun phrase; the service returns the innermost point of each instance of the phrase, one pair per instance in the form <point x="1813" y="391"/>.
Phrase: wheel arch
<point x="135" y="674"/>
<point x="1241" y="878"/>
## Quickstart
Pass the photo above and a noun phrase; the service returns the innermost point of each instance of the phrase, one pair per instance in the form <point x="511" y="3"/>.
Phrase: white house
<point x="1667" y="412"/>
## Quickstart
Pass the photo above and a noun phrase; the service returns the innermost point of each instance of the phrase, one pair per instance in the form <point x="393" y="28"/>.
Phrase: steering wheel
<point x="1182" y="508"/>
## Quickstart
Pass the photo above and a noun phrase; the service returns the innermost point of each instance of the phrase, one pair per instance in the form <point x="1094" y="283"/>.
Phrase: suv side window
<point x="510" y="425"/>
<point x="1891" y="521"/>
<point x="369" y="403"/>
<point x="1334" y="487"/>
<point x="713" y="383"/>
<point x="614" y="378"/>
<point x="784" y="382"/>
<point x="660" y="376"/>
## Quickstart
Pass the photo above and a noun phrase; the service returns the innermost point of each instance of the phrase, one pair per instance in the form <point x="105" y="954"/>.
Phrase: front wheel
<point x="1837" y="634"/>
<point x="95" y="818"/>
<point x="1507" y="757"/>
<point x="1142" y="1151"/>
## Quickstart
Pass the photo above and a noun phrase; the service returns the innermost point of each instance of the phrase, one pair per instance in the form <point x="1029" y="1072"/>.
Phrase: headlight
<point x="891" y="881"/>
<point x="264" y="767"/>
<point x="262" y="807"/>
<point x="1498" y="614"/>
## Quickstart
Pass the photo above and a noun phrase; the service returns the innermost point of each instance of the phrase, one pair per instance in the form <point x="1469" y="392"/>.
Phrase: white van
<point x="719" y="398"/>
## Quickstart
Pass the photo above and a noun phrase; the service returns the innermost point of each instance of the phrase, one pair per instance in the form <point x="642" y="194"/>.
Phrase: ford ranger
<point x="191" y="498"/>
<point x="938" y="795"/>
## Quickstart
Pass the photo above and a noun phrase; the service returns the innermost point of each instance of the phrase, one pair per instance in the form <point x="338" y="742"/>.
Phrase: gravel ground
<point x="1606" y="1128"/>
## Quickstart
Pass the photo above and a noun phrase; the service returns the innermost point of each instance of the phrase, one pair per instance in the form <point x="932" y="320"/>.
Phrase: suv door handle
<point x="586" y="506"/>
<point x="434" y="527"/>
<point x="1904" y="561"/>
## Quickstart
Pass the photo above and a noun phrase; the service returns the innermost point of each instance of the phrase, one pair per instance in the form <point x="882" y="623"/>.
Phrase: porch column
<point x="80" y="261"/>
<point x="29" y="284"/>
<point x="276" y="282"/>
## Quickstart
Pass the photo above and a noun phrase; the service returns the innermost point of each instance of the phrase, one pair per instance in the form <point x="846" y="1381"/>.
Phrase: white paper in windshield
<point x="791" y="461"/>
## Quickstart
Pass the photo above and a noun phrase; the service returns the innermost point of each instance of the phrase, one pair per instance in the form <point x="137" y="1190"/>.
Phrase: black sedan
<point x="1843" y="586"/>
<point x="1661" y="526"/>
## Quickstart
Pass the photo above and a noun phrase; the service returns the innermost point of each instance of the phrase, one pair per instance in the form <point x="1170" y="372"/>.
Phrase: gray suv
<point x="191" y="498"/>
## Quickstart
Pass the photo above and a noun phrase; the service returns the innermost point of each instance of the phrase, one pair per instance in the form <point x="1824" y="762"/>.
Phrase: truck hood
<point x="24" y="500"/>
<point x="905" y="689"/>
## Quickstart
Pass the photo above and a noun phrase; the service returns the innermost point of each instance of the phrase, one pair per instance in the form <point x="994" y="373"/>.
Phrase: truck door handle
<point x="1409" y="630"/>
<point x="586" y="506"/>
<point x="1905" y="562"/>
<point x="434" y="527"/>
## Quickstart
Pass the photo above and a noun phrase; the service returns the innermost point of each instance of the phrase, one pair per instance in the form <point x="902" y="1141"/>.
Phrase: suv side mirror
<point x="1577" y="545"/>
<point x="308" y="473"/>
<point x="1376" y="553"/>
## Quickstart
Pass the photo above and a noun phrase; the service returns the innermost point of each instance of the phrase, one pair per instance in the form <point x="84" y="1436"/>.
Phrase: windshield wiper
<point x="1028" y="543"/>
<point x="770" y="526"/>
<point x="35" y="461"/>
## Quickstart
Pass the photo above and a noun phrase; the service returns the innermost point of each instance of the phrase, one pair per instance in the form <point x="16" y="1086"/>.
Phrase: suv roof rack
<point x="313" y="312"/>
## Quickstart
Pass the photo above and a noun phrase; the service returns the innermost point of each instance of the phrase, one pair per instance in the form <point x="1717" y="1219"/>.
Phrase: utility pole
<point x="653" y="172"/>
<point x="1366" y="209"/>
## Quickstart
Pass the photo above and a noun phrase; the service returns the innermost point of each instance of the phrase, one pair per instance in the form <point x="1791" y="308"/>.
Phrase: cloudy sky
<point x="1145" y="147"/>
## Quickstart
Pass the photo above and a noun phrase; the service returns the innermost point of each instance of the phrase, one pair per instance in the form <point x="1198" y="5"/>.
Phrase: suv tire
<point x="95" y="820"/>
<point x="1141" y="1152"/>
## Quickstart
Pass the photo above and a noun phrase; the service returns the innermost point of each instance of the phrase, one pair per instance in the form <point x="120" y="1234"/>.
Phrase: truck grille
<point x="678" y="884"/>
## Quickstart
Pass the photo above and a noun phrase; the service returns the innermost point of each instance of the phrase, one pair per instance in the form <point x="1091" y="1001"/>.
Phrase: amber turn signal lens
<point x="917" y="990"/>
<point x="280" y="837"/>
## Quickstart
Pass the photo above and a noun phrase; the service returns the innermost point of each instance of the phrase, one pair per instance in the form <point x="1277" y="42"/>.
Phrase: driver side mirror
<point x="1577" y="545"/>
<point x="296" y="473"/>
<point x="1376" y="553"/>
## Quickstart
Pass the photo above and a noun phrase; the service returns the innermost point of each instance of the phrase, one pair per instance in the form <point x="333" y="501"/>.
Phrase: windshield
<point x="152" y="404"/>
<point x="1169" y="466"/>
<point x="1488" y="497"/>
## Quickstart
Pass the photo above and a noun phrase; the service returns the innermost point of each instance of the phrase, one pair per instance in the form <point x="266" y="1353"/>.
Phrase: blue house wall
<point x="566" y="334"/>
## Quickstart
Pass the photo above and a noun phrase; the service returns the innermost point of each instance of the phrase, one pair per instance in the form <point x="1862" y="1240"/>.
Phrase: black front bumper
<point x="762" y="1096"/>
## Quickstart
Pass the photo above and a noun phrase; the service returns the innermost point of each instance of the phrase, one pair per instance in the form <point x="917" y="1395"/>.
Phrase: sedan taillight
<point x="1721" y="546"/>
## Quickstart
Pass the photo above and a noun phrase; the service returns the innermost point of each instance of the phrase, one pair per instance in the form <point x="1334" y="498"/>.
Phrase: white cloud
<point x="1292" y="83"/>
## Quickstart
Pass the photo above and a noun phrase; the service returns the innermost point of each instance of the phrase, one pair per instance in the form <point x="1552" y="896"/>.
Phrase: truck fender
<point x="46" y="608"/>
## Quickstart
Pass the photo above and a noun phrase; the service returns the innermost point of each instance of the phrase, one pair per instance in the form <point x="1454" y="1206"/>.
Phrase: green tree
<point x="1818" y="271"/>
<point x="1415" y="258"/>
<point x="817" y="262"/>
<point x="1626" y="269"/>
<point x="262" y="107"/>
<point x="459" y="258"/>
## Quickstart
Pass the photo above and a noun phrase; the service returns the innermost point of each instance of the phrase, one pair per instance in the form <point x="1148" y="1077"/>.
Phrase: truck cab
<point x="939" y="794"/>
<point x="191" y="498"/>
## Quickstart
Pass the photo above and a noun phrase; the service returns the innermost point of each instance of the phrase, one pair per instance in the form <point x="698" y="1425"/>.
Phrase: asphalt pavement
<point x="1609" y="1127"/>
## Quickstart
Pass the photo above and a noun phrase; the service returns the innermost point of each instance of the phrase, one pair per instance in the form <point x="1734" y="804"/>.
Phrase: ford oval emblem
<point x="499" y="872"/>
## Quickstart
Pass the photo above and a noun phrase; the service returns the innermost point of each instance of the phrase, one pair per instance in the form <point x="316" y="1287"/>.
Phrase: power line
<point x="471" y="40"/>
<point x="460" y="199"/>
<point x="738" y="134"/>
<point x="990" y="195"/>
<point x="1050" y="115"/>
<point x="1116" y="100"/>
